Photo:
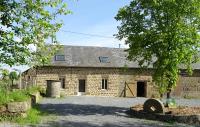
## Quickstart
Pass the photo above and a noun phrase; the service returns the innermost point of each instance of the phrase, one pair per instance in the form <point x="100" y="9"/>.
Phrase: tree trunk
<point x="169" y="94"/>
<point x="12" y="82"/>
<point x="161" y="95"/>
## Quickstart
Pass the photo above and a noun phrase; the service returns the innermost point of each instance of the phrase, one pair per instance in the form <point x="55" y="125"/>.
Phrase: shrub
<point x="19" y="95"/>
<point x="42" y="91"/>
<point x="33" y="89"/>
<point x="3" y="98"/>
<point x="7" y="96"/>
<point x="34" y="116"/>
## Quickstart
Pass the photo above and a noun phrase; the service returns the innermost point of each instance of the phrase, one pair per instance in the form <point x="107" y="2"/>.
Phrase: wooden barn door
<point x="130" y="89"/>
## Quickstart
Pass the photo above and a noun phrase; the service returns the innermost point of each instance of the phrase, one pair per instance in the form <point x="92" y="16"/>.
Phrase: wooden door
<point x="81" y="85"/>
<point x="130" y="90"/>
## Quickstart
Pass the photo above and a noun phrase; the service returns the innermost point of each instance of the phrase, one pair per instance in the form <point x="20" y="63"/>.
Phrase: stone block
<point x="17" y="107"/>
<point x="35" y="97"/>
<point x="2" y="108"/>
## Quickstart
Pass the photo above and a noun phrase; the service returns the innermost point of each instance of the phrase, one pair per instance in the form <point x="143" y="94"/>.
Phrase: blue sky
<point x="92" y="17"/>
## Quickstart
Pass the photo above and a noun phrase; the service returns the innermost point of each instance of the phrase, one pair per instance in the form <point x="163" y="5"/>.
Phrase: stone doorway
<point x="141" y="89"/>
<point x="81" y="87"/>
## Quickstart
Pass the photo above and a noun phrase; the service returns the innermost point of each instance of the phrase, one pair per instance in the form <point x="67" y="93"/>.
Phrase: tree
<point x="48" y="51"/>
<point x="25" y="23"/>
<point x="13" y="76"/>
<point x="4" y="74"/>
<point x="162" y="33"/>
<point x="4" y="80"/>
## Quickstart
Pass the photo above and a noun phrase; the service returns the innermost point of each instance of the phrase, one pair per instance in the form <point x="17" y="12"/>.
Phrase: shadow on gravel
<point x="85" y="124"/>
<point x="76" y="109"/>
<point x="84" y="110"/>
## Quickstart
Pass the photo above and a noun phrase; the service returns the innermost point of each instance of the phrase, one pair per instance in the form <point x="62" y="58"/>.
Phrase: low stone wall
<point x="35" y="97"/>
<point x="187" y="119"/>
<point x="16" y="107"/>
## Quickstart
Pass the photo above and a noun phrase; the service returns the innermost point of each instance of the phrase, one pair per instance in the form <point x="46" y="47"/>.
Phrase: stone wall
<point x="93" y="77"/>
<point x="16" y="107"/>
<point x="187" y="86"/>
<point x="132" y="76"/>
<point x="29" y="77"/>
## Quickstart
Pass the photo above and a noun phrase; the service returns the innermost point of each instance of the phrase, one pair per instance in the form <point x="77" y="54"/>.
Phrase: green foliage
<point x="48" y="51"/>
<point x="125" y="68"/>
<point x="162" y="33"/>
<point x="8" y="78"/>
<point x="3" y="97"/>
<point x="171" y="103"/>
<point x="42" y="91"/>
<point x="4" y="74"/>
<point x="18" y="95"/>
<point x="13" y="76"/>
<point x="7" y="96"/>
<point x="34" y="116"/>
<point x="31" y="90"/>
<point x="9" y="117"/>
<point x="26" y="23"/>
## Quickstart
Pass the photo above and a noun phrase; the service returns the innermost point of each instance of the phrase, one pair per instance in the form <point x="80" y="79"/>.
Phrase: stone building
<point x="101" y="71"/>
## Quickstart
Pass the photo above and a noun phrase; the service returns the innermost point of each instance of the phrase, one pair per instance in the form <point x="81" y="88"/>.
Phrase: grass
<point x="11" y="96"/>
<point x="34" y="116"/>
<point x="19" y="95"/>
<point x="33" y="89"/>
<point x="3" y="98"/>
<point x="190" y="97"/>
<point x="7" y="96"/>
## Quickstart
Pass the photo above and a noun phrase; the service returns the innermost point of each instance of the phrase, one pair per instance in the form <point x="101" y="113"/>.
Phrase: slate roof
<point x="88" y="56"/>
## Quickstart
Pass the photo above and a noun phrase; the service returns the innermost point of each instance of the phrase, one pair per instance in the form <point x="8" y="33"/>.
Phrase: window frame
<point x="104" y="59"/>
<point x="104" y="84"/>
<point x="56" y="59"/>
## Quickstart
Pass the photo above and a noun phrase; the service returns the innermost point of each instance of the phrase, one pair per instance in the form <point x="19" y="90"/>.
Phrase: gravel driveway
<point x="86" y="111"/>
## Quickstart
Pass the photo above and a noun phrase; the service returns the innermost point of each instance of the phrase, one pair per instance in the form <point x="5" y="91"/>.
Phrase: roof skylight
<point x="104" y="59"/>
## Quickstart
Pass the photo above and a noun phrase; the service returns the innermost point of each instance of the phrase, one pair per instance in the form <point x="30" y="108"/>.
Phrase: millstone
<point x="153" y="106"/>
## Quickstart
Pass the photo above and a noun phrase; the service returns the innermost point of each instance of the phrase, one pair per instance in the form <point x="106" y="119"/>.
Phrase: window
<point x="59" y="57"/>
<point x="104" y="84"/>
<point x="62" y="80"/>
<point x="104" y="59"/>
<point x="183" y="73"/>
